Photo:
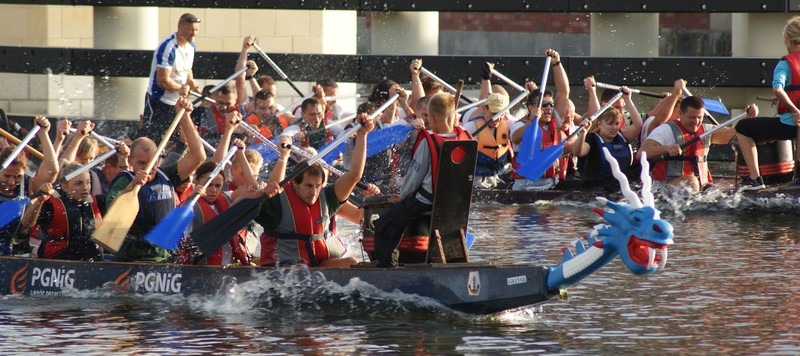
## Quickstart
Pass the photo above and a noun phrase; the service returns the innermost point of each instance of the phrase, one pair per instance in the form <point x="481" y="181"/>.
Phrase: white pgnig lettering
<point x="53" y="277"/>
<point x="157" y="282"/>
<point x="516" y="280"/>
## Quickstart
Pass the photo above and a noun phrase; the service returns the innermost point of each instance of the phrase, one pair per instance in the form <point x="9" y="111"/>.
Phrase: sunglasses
<point x="548" y="103"/>
<point x="191" y="20"/>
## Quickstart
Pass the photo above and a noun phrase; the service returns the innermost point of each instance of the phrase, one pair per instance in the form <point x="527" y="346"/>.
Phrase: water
<point x="728" y="289"/>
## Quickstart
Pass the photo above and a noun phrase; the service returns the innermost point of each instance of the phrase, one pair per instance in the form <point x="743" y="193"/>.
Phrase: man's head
<point x="430" y="86"/>
<point x="142" y="151"/>
<point x="441" y="113"/>
<point x="267" y="83"/>
<point x="188" y="27"/>
<point x="312" y="112"/>
<point x="226" y="98"/>
<point x="207" y="92"/>
<point x="607" y="95"/>
<point x="329" y="86"/>
<point x="112" y="167"/>
<point x="547" y="105"/>
<point x="422" y="109"/>
<point x="380" y="93"/>
<point x="692" y="113"/>
<point x="11" y="177"/>
<point x="309" y="184"/>
<point x="368" y="108"/>
<point x="264" y="103"/>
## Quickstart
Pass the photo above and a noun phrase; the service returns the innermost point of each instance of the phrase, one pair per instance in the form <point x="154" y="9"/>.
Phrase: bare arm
<point x="164" y="80"/>
<point x="654" y="149"/>
<point x="241" y="62"/>
<point x="279" y="170"/>
<point x="417" y="91"/>
<point x="48" y="171"/>
<point x="189" y="163"/>
<point x="667" y="106"/>
<point x="631" y="133"/>
<point x="347" y="182"/>
<point x="591" y="88"/>
<point x="83" y="130"/>
<point x="486" y="81"/>
<point x="232" y="120"/>
<point x="62" y="130"/>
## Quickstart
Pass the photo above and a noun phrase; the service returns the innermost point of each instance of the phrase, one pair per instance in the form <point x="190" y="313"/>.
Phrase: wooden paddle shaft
<point x="459" y="87"/>
<point x="15" y="140"/>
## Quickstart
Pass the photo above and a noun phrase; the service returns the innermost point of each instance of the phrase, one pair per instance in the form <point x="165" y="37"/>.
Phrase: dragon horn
<point x="633" y="199"/>
<point x="647" y="183"/>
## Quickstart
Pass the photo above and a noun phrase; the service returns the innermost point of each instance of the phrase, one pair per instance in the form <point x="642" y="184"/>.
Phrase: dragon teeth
<point x="651" y="255"/>
<point x="663" y="262"/>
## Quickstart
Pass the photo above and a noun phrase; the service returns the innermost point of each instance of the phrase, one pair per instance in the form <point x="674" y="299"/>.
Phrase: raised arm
<point x="279" y="170"/>
<point x="345" y="184"/>
<point x="48" y="170"/>
<point x="83" y="130"/>
<point x="417" y="91"/>
<point x="232" y="120"/>
<point x="486" y="79"/>
<point x="563" y="103"/>
<point x="631" y="132"/>
<point x="591" y="88"/>
<point x="241" y="62"/>
<point x="197" y="154"/>
<point x="62" y="131"/>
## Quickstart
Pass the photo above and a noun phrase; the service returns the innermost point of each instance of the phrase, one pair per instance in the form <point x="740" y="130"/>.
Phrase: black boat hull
<point x="466" y="287"/>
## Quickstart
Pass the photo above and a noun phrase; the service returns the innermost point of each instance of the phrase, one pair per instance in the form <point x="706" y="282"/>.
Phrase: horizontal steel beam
<point x="724" y="6"/>
<point x="660" y="71"/>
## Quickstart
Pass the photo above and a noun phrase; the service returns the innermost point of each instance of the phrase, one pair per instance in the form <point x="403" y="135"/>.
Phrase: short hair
<point x="87" y="146"/>
<point x="429" y="84"/>
<point x="309" y="102"/>
<point x="327" y="83"/>
<point x="265" y="79"/>
<point x="139" y="142"/>
<point x="422" y="101"/>
<point x="608" y="94"/>
<point x="207" y="90"/>
<point x="692" y="102"/>
<point x="315" y="170"/>
<point x="112" y="161"/>
<point x="263" y="95"/>
<point x="441" y="105"/>
<point x="533" y="99"/>
<point x="189" y="18"/>
<point x="228" y="88"/>
<point x="67" y="168"/>
<point x="207" y="168"/>
<point x="367" y="107"/>
<point x="21" y="161"/>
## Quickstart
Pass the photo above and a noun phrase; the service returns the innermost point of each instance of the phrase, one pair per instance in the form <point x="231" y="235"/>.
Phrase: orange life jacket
<point x="793" y="88"/>
<point x="693" y="161"/>
<point x="263" y="128"/>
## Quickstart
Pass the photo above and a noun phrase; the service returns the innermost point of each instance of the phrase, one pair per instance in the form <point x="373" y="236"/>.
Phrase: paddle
<point x="11" y="210"/>
<point x="213" y="234"/>
<point x="532" y="136"/>
<point x="16" y="141"/>
<point x="443" y="83"/>
<point x="169" y="231"/>
<point x="711" y="104"/>
<point x="459" y="87"/>
<point x="120" y="216"/>
<point x="276" y="68"/>
<point x="217" y="87"/>
<point x="548" y="156"/>
<point x="704" y="135"/>
<point x="470" y="106"/>
<point x="22" y="144"/>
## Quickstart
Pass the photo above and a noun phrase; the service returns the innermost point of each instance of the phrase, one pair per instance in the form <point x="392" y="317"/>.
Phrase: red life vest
<point x="57" y="233"/>
<point x="304" y="234"/>
<point x="793" y="88"/>
<point x="693" y="161"/>
<point x="263" y="128"/>
<point x="204" y="213"/>
<point x="435" y="144"/>
<point x="548" y="139"/>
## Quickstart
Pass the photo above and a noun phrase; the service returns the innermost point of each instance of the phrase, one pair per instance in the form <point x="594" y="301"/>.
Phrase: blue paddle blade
<point x="531" y="141"/>
<point x="169" y="231"/>
<point x="380" y="140"/>
<point x="715" y="106"/>
<point x="12" y="210"/>
<point x="266" y="153"/>
<point x="470" y="239"/>
<point x="544" y="159"/>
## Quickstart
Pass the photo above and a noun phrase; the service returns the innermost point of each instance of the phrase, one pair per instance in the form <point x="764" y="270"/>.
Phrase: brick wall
<point x="686" y="21"/>
<point x="516" y="22"/>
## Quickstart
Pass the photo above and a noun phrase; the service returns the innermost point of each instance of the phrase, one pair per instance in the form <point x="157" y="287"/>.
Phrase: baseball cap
<point x="496" y="102"/>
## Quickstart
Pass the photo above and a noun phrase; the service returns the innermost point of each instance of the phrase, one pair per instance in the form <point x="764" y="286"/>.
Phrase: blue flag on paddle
<point x="379" y="140"/>
<point x="266" y="153"/>
<point x="531" y="141"/>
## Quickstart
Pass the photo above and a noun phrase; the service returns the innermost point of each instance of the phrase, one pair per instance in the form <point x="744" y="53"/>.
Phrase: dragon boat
<point x="442" y="272"/>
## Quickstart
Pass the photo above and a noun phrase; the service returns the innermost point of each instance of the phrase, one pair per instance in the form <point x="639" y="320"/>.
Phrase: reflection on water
<point x="728" y="289"/>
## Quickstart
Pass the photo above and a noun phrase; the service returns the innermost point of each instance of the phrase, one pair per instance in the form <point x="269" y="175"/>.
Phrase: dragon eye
<point x="636" y="219"/>
<point x="657" y="228"/>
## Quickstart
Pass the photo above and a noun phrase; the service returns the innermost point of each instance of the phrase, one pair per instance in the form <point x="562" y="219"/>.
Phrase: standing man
<point x="170" y="75"/>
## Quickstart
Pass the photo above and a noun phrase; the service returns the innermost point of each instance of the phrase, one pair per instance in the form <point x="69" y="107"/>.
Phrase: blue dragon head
<point x="634" y="232"/>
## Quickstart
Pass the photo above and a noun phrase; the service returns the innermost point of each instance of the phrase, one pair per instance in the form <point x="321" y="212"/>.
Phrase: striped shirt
<point x="178" y="60"/>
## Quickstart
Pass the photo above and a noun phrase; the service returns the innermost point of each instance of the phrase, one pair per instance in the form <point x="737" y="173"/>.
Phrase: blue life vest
<point x="156" y="200"/>
<point x="619" y="149"/>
